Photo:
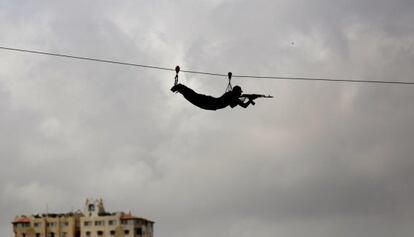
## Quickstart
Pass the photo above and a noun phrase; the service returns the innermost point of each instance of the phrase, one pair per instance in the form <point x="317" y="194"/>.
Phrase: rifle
<point x="252" y="97"/>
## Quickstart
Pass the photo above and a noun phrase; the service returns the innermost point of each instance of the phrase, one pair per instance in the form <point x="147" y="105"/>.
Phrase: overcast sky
<point x="320" y="159"/>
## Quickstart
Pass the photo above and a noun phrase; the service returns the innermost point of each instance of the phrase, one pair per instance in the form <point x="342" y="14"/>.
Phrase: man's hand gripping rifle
<point x="252" y="97"/>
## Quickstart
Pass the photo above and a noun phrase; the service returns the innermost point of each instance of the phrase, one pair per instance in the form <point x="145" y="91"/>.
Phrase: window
<point x="64" y="224"/>
<point x="64" y="234"/>
<point x="51" y="224"/>
<point x="87" y="223"/>
<point x="23" y="235"/>
<point x="99" y="223"/>
<point x="112" y="222"/>
<point x="37" y="234"/>
<point x="88" y="233"/>
<point x="126" y="232"/>
<point x="112" y="232"/>
<point x="37" y="224"/>
<point x="22" y="225"/>
<point x="100" y="233"/>
<point x="127" y="222"/>
<point x="138" y="231"/>
<point x="91" y="207"/>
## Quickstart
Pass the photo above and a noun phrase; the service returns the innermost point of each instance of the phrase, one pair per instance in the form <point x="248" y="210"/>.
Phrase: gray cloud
<point x="320" y="159"/>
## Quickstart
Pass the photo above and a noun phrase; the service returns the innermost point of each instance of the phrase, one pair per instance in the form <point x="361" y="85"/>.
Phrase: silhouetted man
<point x="230" y="98"/>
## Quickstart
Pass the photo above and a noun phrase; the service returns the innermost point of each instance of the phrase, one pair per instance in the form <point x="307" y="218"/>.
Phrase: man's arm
<point x="243" y="104"/>
<point x="252" y="97"/>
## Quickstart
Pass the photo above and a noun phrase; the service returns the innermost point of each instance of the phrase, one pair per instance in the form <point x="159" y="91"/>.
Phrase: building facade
<point x="94" y="221"/>
<point x="47" y="225"/>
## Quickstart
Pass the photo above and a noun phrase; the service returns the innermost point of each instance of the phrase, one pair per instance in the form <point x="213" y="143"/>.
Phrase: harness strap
<point x="229" y="86"/>
<point x="177" y="70"/>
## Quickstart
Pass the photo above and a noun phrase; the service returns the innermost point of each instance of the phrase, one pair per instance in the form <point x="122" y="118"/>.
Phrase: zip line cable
<point x="85" y="58"/>
<point x="204" y="73"/>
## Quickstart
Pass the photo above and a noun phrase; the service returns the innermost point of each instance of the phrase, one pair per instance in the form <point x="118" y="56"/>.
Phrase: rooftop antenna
<point x="47" y="214"/>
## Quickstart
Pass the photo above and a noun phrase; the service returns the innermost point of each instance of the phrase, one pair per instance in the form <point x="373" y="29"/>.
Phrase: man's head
<point x="237" y="90"/>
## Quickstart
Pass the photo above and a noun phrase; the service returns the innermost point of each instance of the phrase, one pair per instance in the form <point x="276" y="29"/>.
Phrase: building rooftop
<point x="21" y="219"/>
<point x="129" y="216"/>
<point x="92" y="206"/>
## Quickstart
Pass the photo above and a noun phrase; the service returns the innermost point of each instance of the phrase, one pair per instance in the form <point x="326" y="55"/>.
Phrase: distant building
<point x="93" y="222"/>
<point x="47" y="225"/>
<point x="96" y="223"/>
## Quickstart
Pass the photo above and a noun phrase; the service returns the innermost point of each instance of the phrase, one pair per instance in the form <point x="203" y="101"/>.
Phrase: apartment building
<point x="94" y="221"/>
<point x="47" y="225"/>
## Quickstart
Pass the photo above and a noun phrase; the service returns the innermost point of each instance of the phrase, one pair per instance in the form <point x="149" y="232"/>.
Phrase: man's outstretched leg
<point x="185" y="91"/>
<point x="202" y="101"/>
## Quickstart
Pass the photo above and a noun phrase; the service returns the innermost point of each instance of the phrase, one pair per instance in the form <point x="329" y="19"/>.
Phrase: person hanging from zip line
<point x="232" y="97"/>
